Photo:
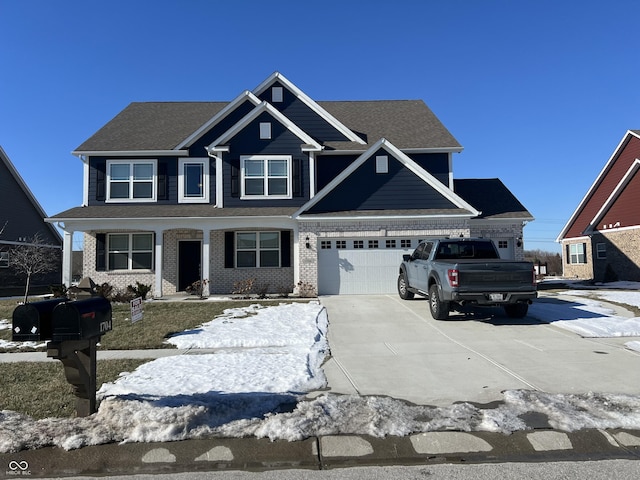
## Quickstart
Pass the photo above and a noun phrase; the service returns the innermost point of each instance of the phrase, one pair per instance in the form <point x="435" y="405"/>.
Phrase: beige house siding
<point x="582" y="271"/>
<point x="622" y="255"/>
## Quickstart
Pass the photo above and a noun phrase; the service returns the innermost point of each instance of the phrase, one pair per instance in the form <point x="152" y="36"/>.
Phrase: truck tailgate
<point x="495" y="275"/>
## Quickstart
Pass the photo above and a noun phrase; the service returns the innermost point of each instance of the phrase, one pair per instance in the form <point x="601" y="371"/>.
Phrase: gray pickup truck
<point x="457" y="272"/>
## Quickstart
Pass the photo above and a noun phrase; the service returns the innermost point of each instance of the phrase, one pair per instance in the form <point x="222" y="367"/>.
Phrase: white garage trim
<point x="363" y="265"/>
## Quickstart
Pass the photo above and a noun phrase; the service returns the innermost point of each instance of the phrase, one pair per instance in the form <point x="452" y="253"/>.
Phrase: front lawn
<point x="161" y="319"/>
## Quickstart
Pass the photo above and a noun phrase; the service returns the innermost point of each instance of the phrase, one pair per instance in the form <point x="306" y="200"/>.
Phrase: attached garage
<point x="361" y="265"/>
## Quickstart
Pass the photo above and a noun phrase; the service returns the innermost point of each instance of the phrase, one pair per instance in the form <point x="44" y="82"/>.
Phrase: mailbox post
<point x="77" y="328"/>
<point x="73" y="330"/>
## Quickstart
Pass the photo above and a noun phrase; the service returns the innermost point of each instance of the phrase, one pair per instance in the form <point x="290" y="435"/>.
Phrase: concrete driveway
<point x="382" y="345"/>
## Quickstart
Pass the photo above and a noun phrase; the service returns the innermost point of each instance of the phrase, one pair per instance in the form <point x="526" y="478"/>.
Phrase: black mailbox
<point x="32" y="321"/>
<point x="81" y="319"/>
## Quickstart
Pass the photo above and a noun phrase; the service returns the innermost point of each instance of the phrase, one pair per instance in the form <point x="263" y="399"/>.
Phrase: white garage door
<point x="361" y="266"/>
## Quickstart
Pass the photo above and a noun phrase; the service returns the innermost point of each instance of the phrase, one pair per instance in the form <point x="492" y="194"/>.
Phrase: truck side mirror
<point x="406" y="257"/>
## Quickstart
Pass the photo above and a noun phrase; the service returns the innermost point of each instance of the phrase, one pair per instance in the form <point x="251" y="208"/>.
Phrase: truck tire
<point x="439" y="309"/>
<point x="403" y="287"/>
<point x="516" y="310"/>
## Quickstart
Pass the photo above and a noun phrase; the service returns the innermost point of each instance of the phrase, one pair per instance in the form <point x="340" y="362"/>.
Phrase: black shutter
<point x="235" y="178"/>
<point x="101" y="252"/>
<point x="101" y="171"/>
<point x="229" y="249"/>
<point x="163" y="191"/>
<point x="285" y="248"/>
<point x="297" y="177"/>
<point x="568" y="254"/>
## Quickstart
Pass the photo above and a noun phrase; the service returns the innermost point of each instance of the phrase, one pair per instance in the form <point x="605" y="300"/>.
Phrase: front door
<point x="189" y="260"/>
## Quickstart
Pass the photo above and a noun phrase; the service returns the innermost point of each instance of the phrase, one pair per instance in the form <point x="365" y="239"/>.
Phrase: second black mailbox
<point x="81" y="319"/>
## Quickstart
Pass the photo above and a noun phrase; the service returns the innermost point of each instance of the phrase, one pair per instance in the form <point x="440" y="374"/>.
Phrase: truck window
<point x="471" y="250"/>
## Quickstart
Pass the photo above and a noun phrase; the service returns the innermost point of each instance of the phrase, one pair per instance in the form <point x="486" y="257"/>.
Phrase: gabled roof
<point x="277" y="77"/>
<point x="601" y="191"/>
<point x="244" y="96"/>
<point x="149" y="126"/>
<point x="492" y="198"/>
<point x="617" y="192"/>
<point x="460" y="204"/>
<point x="169" y="127"/>
<point x="4" y="158"/>
<point x="307" y="141"/>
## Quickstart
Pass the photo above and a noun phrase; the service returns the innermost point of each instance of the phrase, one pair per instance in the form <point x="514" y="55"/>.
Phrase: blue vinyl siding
<point x="198" y="149"/>
<point x="248" y="142"/>
<point x="166" y="165"/>
<point x="329" y="167"/>
<point x="305" y="118"/>
<point x="437" y="164"/>
<point x="365" y="189"/>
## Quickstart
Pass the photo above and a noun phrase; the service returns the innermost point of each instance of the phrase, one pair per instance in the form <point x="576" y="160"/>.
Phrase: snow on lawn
<point x="6" y="325"/>
<point x="588" y="317"/>
<point x="255" y="384"/>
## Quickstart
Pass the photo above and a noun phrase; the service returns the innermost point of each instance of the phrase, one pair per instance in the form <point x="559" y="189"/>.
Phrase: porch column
<point x="206" y="261"/>
<point x="67" y="254"/>
<point x="157" y="293"/>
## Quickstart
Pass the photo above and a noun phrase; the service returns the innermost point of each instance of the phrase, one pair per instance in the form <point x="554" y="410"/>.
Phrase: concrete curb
<point x="335" y="451"/>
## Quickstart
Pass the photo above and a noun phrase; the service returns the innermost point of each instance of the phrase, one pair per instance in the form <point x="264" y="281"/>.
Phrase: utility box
<point x="32" y="322"/>
<point x="81" y="319"/>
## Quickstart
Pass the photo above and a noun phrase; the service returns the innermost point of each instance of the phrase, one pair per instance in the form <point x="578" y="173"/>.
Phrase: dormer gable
<point x="377" y="177"/>
<point x="307" y="142"/>
<point x="245" y="98"/>
<point x="305" y="112"/>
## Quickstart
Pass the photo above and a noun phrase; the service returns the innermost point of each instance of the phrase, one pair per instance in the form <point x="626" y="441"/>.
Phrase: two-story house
<point x="22" y="218"/>
<point x="601" y="240"/>
<point x="276" y="188"/>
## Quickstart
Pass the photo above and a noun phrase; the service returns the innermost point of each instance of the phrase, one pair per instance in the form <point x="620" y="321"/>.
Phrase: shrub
<point x="306" y="290"/>
<point x="58" y="291"/>
<point x="139" y="290"/>
<point x="243" y="287"/>
<point x="197" y="287"/>
<point x="105" y="290"/>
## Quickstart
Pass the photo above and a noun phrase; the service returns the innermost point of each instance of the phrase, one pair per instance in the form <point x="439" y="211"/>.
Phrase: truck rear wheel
<point x="516" y="310"/>
<point x="403" y="287"/>
<point x="439" y="309"/>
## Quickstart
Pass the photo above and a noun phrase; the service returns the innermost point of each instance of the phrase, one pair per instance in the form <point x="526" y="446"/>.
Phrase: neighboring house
<point x="276" y="188"/>
<point x="21" y="218"/>
<point x="601" y="240"/>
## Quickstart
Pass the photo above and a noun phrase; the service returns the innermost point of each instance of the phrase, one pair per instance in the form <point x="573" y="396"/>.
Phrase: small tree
<point x="32" y="258"/>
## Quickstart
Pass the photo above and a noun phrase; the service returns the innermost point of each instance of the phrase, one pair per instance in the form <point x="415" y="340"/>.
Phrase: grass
<point x="161" y="319"/>
<point x="40" y="389"/>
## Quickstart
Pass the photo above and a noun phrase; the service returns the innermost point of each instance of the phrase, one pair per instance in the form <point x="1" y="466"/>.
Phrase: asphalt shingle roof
<point x="164" y="125"/>
<point x="491" y="197"/>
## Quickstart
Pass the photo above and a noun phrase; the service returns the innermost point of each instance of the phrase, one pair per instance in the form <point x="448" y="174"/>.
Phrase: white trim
<point x="597" y="182"/>
<point x="334" y="122"/>
<point x="307" y="141"/>
<point x="85" y="183"/>
<point x="265" y="159"/>
<point x="633" y="169"/>
<point x="131" y="153"/>
<point x="219" y="182"/>
<point x="130" y="162"/>
<point x="204" y="161"/>
<point x="616" y="229"/>
<point x="407" y="162"/>
<point x="359" y="218"/>
<point x="405" y="150"/>
<point x="312" y="174"/>
<point x="230" y="107"/>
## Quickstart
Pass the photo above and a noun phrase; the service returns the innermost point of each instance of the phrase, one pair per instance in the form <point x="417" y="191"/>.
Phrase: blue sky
<point x="538" y="92"/>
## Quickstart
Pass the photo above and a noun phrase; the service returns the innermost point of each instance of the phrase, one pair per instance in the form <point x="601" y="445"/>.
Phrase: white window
<point x="405" y="243"/>
<point x="257" y="249"/>
<point x="266" y="176"/>
<point x="131" y="180"/>
<point x="341" y="244"/>
<point x="358" y="244"/>
<point x="382" y="164"/>
<point x="193" y="180"/>
<point x="265" y="131"/>
<point x="130" y="251"/>
<point x="390" y="243"/>
<point x="601" y="251"/>
<point x="325" y="244"/>
<point x="4" y="259"/>
<point x="276" y="94"/>
<point x="577" y="253"/>
<point x="373" y="243"/>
